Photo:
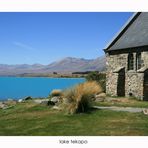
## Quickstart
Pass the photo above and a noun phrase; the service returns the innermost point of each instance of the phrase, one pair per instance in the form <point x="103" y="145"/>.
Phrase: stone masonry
<point x="133" y="78"/>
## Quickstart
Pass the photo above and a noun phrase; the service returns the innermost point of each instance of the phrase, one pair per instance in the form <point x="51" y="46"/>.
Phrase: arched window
<point x="130" y="61"/>
<point x="138" y="61"/>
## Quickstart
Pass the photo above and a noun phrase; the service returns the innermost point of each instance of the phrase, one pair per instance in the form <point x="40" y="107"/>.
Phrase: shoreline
<point x="23" y="98"/>
<point x="45" y="77"/>
<point x="42" y="77"/>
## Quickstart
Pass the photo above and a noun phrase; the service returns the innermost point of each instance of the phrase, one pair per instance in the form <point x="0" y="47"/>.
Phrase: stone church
<point x="127" y="59"/>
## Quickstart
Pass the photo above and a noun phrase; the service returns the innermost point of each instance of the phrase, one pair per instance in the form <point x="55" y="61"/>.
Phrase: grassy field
<point x="32" y="119"/>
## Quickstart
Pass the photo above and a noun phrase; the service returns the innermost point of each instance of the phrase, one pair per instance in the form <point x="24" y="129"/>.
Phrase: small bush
<point x="80" y="97"/>
<point x="99" y="77"/>
<point x="56" y="92"/>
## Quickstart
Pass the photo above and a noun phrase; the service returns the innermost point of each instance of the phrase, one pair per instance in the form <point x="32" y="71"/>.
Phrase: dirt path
<point x="126" y="109"/>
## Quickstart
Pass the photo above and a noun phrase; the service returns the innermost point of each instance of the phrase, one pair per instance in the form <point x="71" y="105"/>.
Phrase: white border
<point x="73" y="5"/>
<point x="95" y="142"/>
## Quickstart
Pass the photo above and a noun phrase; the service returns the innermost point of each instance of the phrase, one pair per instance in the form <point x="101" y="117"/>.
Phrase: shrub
<point x="99" y="77"/>
<point x="56" y="92"/>
<point x="80" y="97"/>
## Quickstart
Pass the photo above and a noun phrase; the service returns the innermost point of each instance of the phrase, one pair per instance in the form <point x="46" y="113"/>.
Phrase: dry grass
<point x="79" y="97"/>
<point x="56" y="92"/>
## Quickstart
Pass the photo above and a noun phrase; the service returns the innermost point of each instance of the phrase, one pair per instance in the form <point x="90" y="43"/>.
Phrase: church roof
<point x="133" y="34"/>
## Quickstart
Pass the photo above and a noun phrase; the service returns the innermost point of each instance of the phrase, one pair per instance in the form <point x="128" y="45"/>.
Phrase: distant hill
<point x="66" y="65"/>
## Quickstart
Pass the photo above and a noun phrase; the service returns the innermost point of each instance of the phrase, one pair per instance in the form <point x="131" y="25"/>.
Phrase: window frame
<point x="130" y="61"/>
<point x="138" y="61"/>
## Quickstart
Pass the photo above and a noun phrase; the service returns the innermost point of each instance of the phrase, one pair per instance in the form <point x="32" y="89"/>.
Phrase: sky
<point x="45" y="37"/>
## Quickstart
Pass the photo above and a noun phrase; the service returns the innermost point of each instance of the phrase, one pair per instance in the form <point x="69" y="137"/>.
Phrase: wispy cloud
<point x="22" y="45"/>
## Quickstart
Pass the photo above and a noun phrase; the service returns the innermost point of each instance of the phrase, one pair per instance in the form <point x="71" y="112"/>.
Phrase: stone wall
<point x="113" y="63"/>
<point x="111" y="83"/>
<point x="134" y="84"/>
<point x="133" y="79"/>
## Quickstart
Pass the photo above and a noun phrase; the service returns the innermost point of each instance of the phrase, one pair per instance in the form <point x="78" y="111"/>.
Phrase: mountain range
<point x="66" y="65"/>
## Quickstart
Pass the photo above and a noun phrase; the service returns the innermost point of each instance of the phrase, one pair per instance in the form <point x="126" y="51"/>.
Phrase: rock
<point x="20" y="100"/>
<point x="51" y="103"/>
<point x="145" y="111"/>
<point x="40" y="101"/>
<point x="27" y="98"/>
<point x="99" y="100"/>
<point x="3" y="105"/>
<point x="55" y="99"/>
<point x="56" y="107"/>
<point x="37" y="101"/>
<point x="100" y="97"/>
<point x="8" y="107"/>
<point x="10" y="102"/>
<point x="44" y="102"/>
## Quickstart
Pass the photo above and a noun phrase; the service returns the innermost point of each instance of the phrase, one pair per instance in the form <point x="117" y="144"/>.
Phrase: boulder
<point x="3" y="105"/>
<point x="37" y="101"/>
<point x="41" y="101"/>
<point x="56" y="107"/>
<point x="51" y="103"/>
<point x="44" y="102"/>
<point x="99" y="100"/>
<point x="145" y="111"/>
<point x="27" y="98"/>
<point x="55" y="99"/>
<point x="20" y="100"/>
<point x="100" y="97"/>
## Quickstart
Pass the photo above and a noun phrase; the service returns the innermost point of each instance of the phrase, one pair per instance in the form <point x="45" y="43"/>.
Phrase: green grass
<point x="129" y="103"/>
<point x="31" y="119"/>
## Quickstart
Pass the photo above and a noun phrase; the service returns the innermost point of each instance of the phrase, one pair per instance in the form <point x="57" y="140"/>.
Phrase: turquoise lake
<point x="17" y="88"/>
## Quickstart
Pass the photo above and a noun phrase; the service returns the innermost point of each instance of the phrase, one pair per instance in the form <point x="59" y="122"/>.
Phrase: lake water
<point x="16" y="88"/>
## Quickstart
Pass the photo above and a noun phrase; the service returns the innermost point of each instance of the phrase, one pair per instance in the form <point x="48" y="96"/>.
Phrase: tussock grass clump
<point x="79" y="98"/>
<point x="56" y="92"/>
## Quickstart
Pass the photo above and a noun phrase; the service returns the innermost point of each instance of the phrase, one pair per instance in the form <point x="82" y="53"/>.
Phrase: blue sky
<point x="46" y="37"/>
